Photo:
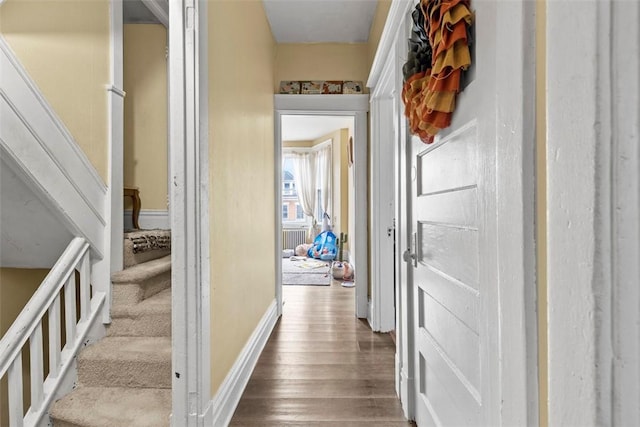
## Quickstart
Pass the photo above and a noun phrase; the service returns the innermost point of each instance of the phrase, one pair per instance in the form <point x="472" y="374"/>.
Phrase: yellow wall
<point x="16" y="288"/>
<point x="242" y="196"/>
<point x="145" y="113"/>
<point x="379" y="19"/>
<point x="294" y="144"/>
<point x="541" y="211"/>
<point x="321" y="61"/>
<point x="64" y="46"/>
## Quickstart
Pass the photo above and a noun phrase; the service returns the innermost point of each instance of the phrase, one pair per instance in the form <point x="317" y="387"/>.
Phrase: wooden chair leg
<point x="135" y="198"/>
<point x="136" y="210"/>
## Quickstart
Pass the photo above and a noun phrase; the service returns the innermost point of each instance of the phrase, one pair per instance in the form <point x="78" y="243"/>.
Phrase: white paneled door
<point x="455" y="280"/>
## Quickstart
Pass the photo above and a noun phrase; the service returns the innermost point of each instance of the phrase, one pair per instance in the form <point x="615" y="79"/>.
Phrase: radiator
<point x="293" y="237"/>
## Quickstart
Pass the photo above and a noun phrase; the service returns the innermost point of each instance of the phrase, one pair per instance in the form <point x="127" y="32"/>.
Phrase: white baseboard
<point x="148" y="219"/>
<point x="370" y="315"/>
<point x="226" y="400"/>
<point x="407" y="394"/>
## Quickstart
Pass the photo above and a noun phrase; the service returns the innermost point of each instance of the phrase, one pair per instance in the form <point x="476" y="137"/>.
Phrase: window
<point x="292" y="212"/>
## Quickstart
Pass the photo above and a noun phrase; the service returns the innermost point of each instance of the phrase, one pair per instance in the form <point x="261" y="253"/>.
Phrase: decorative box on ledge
<point x="321" y="87"/>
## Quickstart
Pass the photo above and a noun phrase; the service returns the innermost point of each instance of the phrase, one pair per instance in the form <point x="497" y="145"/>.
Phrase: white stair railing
<point x="74" y="263"/>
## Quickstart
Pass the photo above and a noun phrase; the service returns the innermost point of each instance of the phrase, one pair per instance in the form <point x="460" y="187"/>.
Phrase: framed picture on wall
<point x="331" y="87"/>
<point x="289" y="87"/>
<point x="312" y="87"/>
<point x="352" y="87"/>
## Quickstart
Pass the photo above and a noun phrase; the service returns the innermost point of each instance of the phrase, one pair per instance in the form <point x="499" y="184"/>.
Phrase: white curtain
<point x="304" y="166"/>
<point x="324" y="179"/>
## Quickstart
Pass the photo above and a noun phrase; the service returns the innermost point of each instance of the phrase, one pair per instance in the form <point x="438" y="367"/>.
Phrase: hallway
<point x="322" y="367"/>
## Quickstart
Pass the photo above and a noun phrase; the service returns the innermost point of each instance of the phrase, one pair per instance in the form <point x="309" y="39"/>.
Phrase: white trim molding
<point x="395" y="19"/>
<point x="383" y="160"/>
<point x="115" y="96"/>
<point x="148" y="219"/>
<point x="593" y="190"/>
<point x="159" y="9"/>
<point x="321" y="104"/>
<point x="224" y="403"/>
<point x="384" y="79"/>
<point x="515" y="208"/>
<point x="189" y="204"/>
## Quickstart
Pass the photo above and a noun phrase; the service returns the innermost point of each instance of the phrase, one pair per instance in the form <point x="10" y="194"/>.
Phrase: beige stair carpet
<point x="125" y="378"/>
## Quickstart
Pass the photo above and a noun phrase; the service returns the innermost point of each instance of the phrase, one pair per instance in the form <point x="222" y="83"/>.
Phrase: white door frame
<point x="188" y="140"/>
<point x="515" y="197"/>
<point x="115" y="226"/>
<point x="383" y="160"/>
<point x="329" y="105"/>
<point x="518" y="385"/>
<point x="391" y="52"/>
<point x="593" y="190"/>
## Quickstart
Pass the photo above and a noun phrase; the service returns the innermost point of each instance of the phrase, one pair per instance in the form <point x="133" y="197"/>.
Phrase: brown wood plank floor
<point x="322" y="367"/>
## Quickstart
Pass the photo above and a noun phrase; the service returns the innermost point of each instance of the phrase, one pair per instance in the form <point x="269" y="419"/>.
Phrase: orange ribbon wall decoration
<point x="438" y="55"/>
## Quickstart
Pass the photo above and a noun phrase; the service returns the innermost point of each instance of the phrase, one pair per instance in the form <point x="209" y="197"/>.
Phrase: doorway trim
<point x="189" y="200"/>
<point x="594" y="227"/>
<point x="115" y="99"/>
<point x="391" y="51"/>
<point x="334" y="105"/>
<point x="383" y="178"/>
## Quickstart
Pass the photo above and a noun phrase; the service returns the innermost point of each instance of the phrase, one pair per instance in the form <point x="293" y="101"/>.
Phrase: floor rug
<point x="308" y="265"/>
<point x="306" y="278"/>
<point x="309" y="272"/>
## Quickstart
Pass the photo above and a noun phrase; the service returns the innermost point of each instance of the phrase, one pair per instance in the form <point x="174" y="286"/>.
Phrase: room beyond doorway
<point x="325" y="190"/>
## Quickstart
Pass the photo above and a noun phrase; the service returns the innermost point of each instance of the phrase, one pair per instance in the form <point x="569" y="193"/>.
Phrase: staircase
<point x="125" y="378"/>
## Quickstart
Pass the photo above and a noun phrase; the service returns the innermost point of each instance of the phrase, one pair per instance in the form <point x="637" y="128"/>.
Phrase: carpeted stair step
<point x="135" y="362"/>
<point x="112" y="406"/>
<point x="141" y="281"/>
<point x="149" y="318"/>
<point x="141" y="246"/>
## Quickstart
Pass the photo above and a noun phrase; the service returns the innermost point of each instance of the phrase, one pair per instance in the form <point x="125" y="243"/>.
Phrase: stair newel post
<point x="101" y="282"/>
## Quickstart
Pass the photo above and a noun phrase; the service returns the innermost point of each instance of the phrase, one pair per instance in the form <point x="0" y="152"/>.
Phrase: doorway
<point x="343" y="109"/>
<point x="316" y="190"/>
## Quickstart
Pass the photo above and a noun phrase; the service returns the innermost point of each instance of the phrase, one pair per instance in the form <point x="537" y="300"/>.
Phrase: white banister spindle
<point x="70" y="308"/>
<point x="27" y="330"/>
<point x="54" y="338"/>
<point x="36" y="367"/>
<point x="16" y="410"/>
<point x="85" y="291"/>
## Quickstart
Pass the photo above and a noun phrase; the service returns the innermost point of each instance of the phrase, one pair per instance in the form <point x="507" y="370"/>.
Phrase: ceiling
<point x="320" y="21"/>
<point x="309" y="128"/>
<point x="291" y="21"/>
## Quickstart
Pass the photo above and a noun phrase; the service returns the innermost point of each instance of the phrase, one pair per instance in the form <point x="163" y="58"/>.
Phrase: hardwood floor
<point x="322" y="367"/>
